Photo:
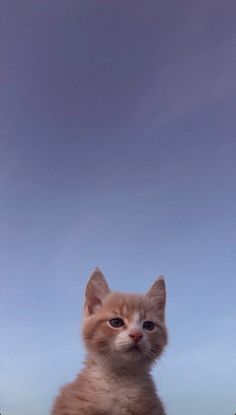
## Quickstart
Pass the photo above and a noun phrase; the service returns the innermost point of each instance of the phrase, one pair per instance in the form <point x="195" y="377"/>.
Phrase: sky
<point x="118" y="150"/>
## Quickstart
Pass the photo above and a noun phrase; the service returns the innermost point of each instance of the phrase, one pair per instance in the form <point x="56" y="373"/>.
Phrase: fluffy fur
<point x="122" y="344"/>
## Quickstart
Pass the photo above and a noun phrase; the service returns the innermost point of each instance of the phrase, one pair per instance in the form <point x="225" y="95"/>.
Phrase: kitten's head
<point x="124" y="329"/>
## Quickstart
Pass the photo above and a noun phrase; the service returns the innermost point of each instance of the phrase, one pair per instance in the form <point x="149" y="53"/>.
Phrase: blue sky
<point x="118" y="150"/>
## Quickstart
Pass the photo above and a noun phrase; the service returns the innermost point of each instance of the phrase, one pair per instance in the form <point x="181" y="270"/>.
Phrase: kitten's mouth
<point x="134" y="348"/>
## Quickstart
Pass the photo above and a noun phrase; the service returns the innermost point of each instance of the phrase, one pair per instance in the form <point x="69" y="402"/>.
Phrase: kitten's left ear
<point x="157" y="293"/>
<point x="96" y="290"/>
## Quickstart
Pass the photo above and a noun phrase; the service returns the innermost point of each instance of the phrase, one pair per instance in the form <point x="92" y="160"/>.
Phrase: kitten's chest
<point x="121" y="396"/>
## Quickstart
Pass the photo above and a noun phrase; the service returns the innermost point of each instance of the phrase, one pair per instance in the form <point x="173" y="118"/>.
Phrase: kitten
<point x="124" y="334"/>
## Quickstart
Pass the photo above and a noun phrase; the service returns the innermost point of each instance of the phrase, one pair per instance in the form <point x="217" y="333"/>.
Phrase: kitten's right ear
<point x="95" y="292"/>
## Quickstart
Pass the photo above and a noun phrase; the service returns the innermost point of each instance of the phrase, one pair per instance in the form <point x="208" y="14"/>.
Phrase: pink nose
<point x="135" y="335"/>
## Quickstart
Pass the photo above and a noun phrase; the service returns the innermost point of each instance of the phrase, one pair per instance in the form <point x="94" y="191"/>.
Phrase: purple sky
<point x="118" y="150"/>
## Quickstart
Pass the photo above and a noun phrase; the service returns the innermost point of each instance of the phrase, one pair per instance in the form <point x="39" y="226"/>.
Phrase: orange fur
<point x="116" y="379"/>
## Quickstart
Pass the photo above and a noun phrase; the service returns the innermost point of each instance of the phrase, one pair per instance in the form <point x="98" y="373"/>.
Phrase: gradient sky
<point x="118" y="150"/>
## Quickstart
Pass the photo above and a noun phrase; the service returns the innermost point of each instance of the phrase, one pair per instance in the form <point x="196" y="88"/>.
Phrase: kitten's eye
<point x="148" y="325"/>
<point x="116" y="322"/>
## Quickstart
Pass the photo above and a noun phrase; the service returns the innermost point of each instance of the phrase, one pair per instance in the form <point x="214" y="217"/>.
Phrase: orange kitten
<point x="124" y="334"/>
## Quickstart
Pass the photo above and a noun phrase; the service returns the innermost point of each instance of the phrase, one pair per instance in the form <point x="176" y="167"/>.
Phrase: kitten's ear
<point x="157" y="293"/>
<point x="96" y="290"/>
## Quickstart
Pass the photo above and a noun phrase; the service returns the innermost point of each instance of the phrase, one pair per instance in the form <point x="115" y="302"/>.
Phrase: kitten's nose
<point x="135" y="335"/>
